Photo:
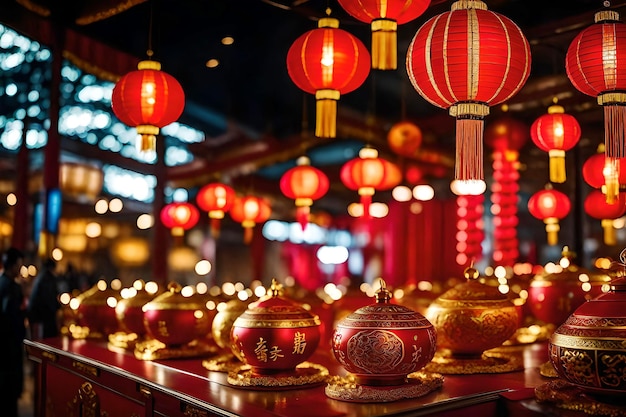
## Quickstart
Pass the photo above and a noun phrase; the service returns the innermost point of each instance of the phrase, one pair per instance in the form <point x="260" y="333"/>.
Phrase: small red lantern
<point x="550" y="206"/>
<point x="250" y="210"/>
<point x="597" y="207"/>
<point x="606" y="174"/>
<point x="304" y="183"/>
<point x="384" y="18"/>
<point x="328" y="62"/>
<point x="216" y="199"/>
<point x="466" y="60"/>
<point x="555" y="133"/>
<point x="404" y="138"/>
<point x="148" y="99"/>
<point x="595" y="64"/>
<point x="369" y="173"/>
<point x="179" y="216"/>
<point x="506" y="133"/>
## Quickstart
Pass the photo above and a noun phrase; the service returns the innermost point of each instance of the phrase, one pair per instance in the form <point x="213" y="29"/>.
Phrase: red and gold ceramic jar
<point x="223" y="322"/>
<point x="381" y="343"/>
<point x="96" y="309"/>
<point x="129" y="310"/>
<point x="175" y="319"/>
<point x="553" y="296"/>
<point x="589" y="349"/>
<point x="472" y="317"/>
<point x="275" y="334"/>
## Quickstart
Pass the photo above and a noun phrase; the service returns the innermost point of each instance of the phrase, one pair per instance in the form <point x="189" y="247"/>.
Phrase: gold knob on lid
<point x="276" y="289"/>
<point x="382" y="294"/>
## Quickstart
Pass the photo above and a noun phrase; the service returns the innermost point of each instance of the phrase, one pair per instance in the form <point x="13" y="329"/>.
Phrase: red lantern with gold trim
<point x="550" y="206"/>
<point x="216" y="199"/>
<point x="466" y="60"/>
<point x="179" y="216"/>
<point x="384" y="18"/>
<point x="605" y="174"/>
<point x="369" y="173"/>
<point x="596" y="65"/>
<point x="148" y="99"/>
<point x="250" y="210"/>
<point x="328" y="62"/>
<point x="555" y="133"/>
<point x="597" y="207"/>
<point x="305" y="184"/>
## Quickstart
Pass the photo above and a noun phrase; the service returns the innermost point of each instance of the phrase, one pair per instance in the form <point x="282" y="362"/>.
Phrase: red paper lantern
<point x="506" y="133"/>
<point x="550" y="206"/>
<point x="555" y="133"/>
<point x="404" y="138"/>
<point x="148" y="99"/>
<point x="384" y="18"/>
<point x="216" y="199"/>
<point x="466" y="60"/>
<point x="596" y="65"/>
<point x="606" y="174"/>
<point x="328" y="62"/>
<point x="250" y="210"/>
<point x="304" y="183"/>
<point x="369" y="173"/>
<point x="179" y="216"/>
<point x="597" y="207"/>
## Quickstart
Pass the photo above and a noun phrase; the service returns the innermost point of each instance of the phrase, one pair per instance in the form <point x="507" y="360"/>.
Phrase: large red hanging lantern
<point x="466" y="60"/>
<point x="249" y="210"/>
<point x="596" y="65"/>
<point x="305" y="184"/>
<point x="148" y="99"/>
<point x="555" y="133"/>
<point x="368" y="173"/>
<point x="328" y="62"/>
<point x="550" y="206"/>
<point x="600" y="172"/>
<point x="179" y="216"/>
<point x="597" y="207"/>
<point x="384" y="17"/>
<point x="216" y="199"/>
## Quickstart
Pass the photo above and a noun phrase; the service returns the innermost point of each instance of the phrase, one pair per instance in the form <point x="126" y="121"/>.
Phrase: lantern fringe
<point x="384" y="44"/>
<point x="611" y="179"/>
<point x="614" y="131"/>
<point x="609" y="232"/>
<point x="366" y="202"/>
<point x="326" y="113"/>
<point x="247" y="235"/>
<point x="302" y="216"/>
<point x="215" y="227"/>
<point x="469" y="149"/>
<point x="557" y="166"/>
<point x="552" y="230"/>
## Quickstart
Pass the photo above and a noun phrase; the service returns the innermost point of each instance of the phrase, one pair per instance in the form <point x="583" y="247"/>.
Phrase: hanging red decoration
<point x="470" y="233"/>
<point x="466" y="60"/>
<point x="504" y="189"/>
<point x="216" y="199"/>
<point x="384" y="17"/>
<point x="148" y="99"/>
<point x="597" y="207"/>
<point x="550" y="206"/>
<point x="404" y="138"/>
<point x="596" y="65"/>
<point x="328" y="62"/>
<point x="555" y="133"/>
<point x="305" y="184"/>
<point x="179" y="216"/>
<point x="250" y="210"/>
<point x="506" y="133"/>
<point x="605" y="174"/>
<point x="368" y="173"/>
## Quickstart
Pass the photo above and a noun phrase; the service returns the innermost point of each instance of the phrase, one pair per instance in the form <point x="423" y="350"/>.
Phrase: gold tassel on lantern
<point x="469" y="140"/>
<point x="611" y="179"/>
<point x="557" y="165"/>
<point x="326" y="113"/>
<point x="384" y="44"/>
<point x="147" y="139"/>
<point x="552" y="230"/>
<point x="609" y="232"/>
<point x="614" y="123"/>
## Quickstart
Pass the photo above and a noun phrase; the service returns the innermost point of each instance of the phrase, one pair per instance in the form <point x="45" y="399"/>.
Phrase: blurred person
<point x="13" y="331"/>
<point x="43" y="304"/>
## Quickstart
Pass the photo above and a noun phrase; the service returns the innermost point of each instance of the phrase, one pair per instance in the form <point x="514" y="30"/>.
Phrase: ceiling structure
<point x="257" y="121"/>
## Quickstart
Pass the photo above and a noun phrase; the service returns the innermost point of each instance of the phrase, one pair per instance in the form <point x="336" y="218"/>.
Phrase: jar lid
<point x="173" y="299"/>
<point x="472" y="289"/>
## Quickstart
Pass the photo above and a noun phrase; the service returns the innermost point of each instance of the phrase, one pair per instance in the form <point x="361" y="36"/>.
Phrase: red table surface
<point x="189" y="381"/>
